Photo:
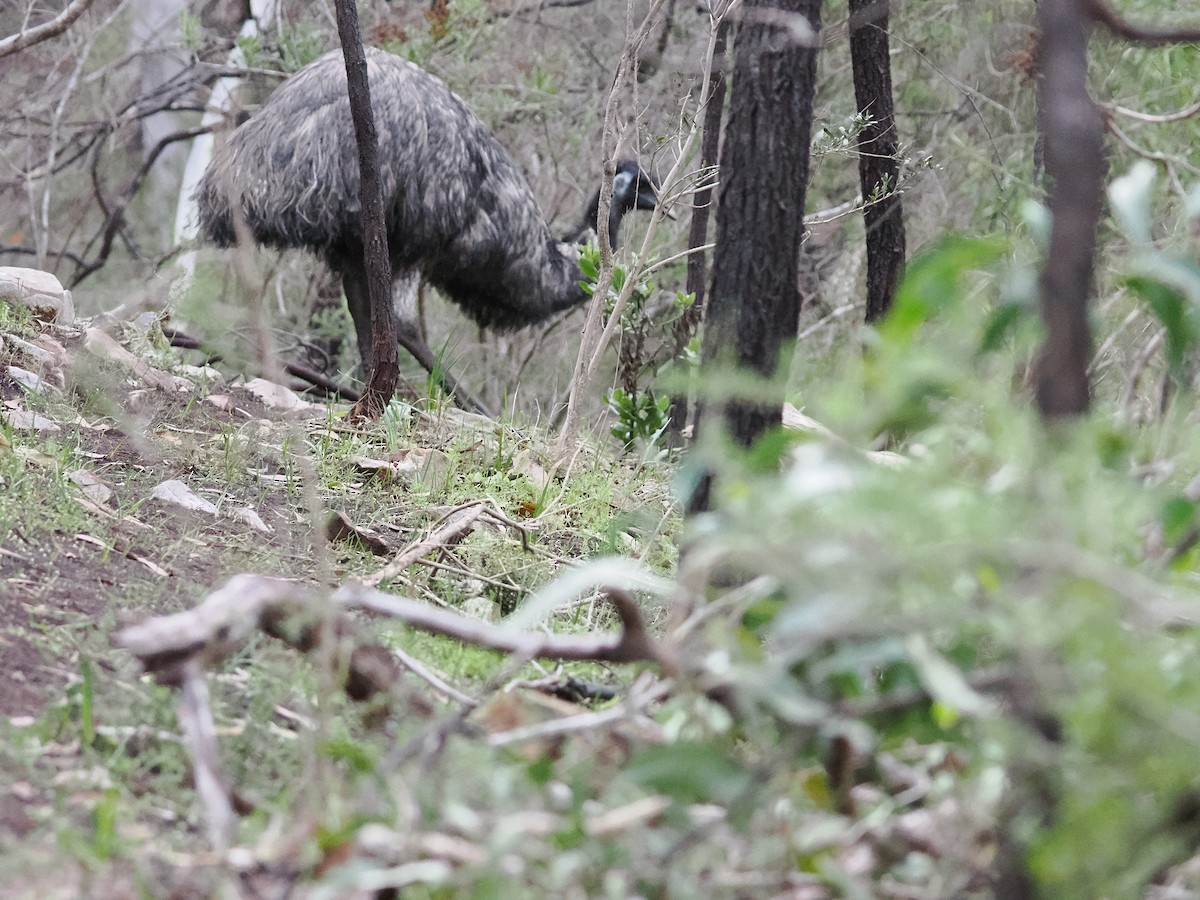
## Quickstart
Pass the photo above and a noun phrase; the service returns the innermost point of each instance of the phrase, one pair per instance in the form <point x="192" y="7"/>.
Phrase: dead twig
<point x="200" y="739"/>
<point x="438" y="683"/>
<point x="632" y="644"/>
<point x="458" y="524"/>
<point x="179" y="648"/>
<point x="56" y="26"/>
<point x="206" y="635"/>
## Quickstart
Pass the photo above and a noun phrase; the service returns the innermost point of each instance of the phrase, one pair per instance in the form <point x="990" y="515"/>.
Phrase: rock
<point x="38" y="291"/>
<point x="23" y="420"/>
<point x="179" y="494"/>
<point x="103" y="346"/>
<point x="31" y="381"/>
<point x="277" y="397"/>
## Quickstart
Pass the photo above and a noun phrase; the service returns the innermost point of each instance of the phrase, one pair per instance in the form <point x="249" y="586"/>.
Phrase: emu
<point x="459" y="213"/>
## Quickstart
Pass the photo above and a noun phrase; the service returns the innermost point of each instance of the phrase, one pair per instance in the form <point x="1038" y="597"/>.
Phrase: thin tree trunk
<point x="697" y="266"/>
<point x="878" y="168"/>
<point x="754" y="303"/>
<point x="385" y="368"/>
<point x="1074" y="134"/>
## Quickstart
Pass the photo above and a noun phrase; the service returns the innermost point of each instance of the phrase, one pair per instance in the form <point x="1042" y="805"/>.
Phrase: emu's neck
<point x="586" y="228"/>
<point x="517" y="287"/>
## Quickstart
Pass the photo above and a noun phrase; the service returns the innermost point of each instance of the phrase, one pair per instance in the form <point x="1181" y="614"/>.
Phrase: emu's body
<point x="459" y="212"/>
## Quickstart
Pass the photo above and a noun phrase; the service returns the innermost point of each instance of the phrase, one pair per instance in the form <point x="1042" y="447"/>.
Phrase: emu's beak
<point x="647" y="197"/>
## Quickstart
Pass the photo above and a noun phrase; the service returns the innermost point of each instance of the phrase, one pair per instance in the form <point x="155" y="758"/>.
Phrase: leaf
<point x="1001" y="322"/>
<point x="1037" y="221"/>
<point x="179" y="494"/>
<point x="931" y="282"/>
<point x="1176" y="517"/>
<point x="1130" y="197"/>
<point x="690" y="773"/>
<point x="945" y="682"/>
<point x="1168" y="305"/>
<point x="90" y="485"/>
<point x="339" y="527"/>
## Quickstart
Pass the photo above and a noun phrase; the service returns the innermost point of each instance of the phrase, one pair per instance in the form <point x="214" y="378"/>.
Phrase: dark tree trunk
<point x="385" y="368"/>
<point x="754" y="303"/>
<point x="878" y="168"/>
<point x="1074" y="156"/>
<point x="697" y="267"/>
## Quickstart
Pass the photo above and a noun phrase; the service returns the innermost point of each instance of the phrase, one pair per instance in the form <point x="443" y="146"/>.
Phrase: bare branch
<point x="633" y="644"/>
<point x="1179" y="115"/>
<point x="56" y="26"/>
<point x="200" y="739"/>
<point x="457" y="526"/>
<point x="209" y="633"/>
<point x="1149" y="37"/>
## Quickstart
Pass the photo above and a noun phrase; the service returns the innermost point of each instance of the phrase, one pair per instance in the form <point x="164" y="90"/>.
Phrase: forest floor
<point x="134" y="485"/>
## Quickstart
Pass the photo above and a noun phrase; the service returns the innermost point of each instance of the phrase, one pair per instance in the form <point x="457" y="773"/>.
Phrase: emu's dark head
<point x="633" y="188"/>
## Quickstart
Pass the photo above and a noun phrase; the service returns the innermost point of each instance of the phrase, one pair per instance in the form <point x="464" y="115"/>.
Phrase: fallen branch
<point x="439" y="684"/>
<point x="200" y="739"/>
<point x="632" y="644"/>
<point x="177" y="649"/>
<point x="458" y="524"/>
<point x="169" y="647"/>
<point x="208" y="634"/>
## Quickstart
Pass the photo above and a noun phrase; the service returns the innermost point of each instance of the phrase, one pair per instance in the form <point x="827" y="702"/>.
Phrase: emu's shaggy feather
<point x="459" y="212"/>
<point x="458" y="209"/>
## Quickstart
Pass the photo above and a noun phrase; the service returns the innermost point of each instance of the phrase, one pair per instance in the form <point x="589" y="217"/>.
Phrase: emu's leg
<point x="358" y="300"/>
<point x="354" y="282"/>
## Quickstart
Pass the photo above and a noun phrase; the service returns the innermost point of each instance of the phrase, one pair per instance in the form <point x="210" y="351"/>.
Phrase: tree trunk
<point x="697" y="268"/>
<point x="754" y="303"/>
<point x="878" y="168"/>
<point x="385" y="368"/>
<point x="1074" y="154"/>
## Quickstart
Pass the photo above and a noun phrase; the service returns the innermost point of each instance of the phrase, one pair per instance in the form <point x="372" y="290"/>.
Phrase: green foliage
<point x="641" y="414"/>
<point x="298" y="46"/>
<point x="640" y="418"/>
<point x="1168" y="283"/>
<point x="897" y="590"/>
<point x="101" y="843"/>
<point x="190" y="30"/>
<point x="251" y="48"/>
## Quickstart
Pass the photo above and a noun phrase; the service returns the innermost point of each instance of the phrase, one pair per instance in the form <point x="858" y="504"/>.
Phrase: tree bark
<point x="697" y="265"/>
<point x="878" y="168"/>
<point x="1074" y="155"/>
<point x="385" y="368"/>
<point x="754" y="303"/>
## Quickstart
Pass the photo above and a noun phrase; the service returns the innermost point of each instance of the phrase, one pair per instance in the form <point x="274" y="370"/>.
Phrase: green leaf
<point x="945" y="682"/>
<point x="1001" y="322"/>
<point x="359" y="756"/>
<point x="1176" y="517"/>
<point x="931" y="282"/>
<point x="690" y="773"/>
<point x="1169" y="306"/>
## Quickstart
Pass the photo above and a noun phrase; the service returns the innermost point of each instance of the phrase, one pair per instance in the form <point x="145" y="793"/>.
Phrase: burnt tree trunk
<point x="879" y="145"/>
<point x="754" y="303"/>
<point x="1074" y="156"/>
<point x="385" y="369"/>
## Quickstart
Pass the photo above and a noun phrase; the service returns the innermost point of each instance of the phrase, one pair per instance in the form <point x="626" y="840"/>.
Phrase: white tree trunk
<point x="262" y="16"/>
